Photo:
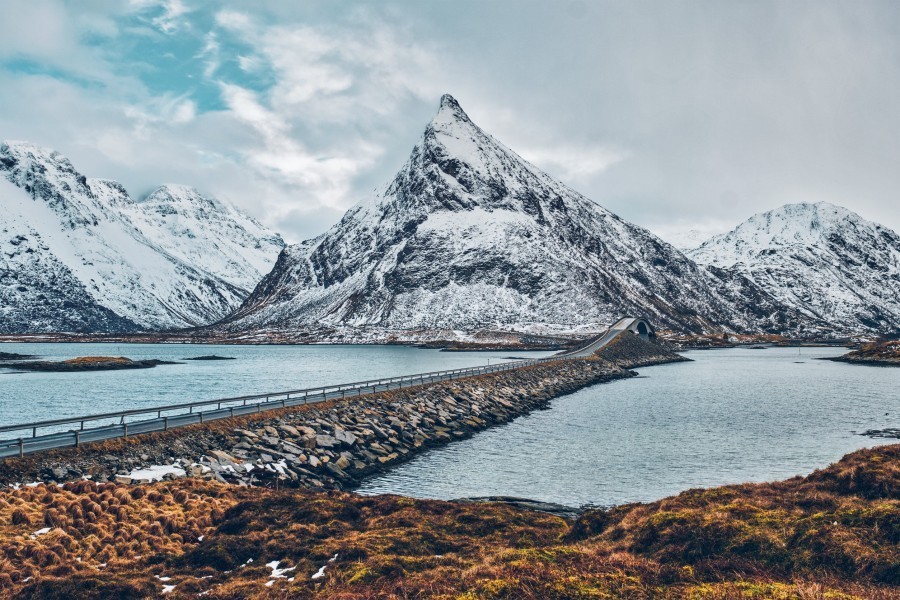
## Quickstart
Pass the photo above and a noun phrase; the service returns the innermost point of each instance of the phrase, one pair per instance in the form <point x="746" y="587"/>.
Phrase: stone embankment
<point x="335" y="444"/>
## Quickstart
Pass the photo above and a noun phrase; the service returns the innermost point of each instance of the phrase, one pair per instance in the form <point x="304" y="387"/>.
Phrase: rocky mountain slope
<point x="823" y="260"/>
<point x="470" y="236"/>
<point x="79" y="254"/>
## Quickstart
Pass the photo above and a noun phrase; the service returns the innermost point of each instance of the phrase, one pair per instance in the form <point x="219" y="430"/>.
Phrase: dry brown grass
<point x="92" y="360"/>
<point x="834" y="534"/>
<point x="883" y="351"/>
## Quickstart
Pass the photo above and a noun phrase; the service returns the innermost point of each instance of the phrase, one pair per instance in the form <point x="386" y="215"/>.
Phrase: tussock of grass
<point x="833" y="534"/>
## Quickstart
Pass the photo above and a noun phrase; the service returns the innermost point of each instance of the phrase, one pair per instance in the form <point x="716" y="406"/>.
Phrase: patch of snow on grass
<point x="276" y="572"/>
<point x="156" y="472"/>
<point x="321" y="572"/>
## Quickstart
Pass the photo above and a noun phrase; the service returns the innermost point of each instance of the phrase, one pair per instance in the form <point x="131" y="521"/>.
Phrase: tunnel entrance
<point x="642" y="330"/>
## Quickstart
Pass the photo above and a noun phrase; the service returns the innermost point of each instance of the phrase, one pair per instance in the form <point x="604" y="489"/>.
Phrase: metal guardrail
<point x="244" y="405"/>
<point x="224" y="408"/>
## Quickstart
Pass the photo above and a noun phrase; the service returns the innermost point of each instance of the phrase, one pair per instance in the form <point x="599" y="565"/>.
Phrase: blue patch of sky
<point x="26" y="66"/>
<point x="175" y="63"/>
<point x="179" y="62"/>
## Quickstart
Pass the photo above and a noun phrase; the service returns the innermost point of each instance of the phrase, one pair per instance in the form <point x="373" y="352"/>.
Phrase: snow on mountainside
<point x="469" y="235"/>
<point x="201" y="230"/>
<point x="824" y="260"/>
<point x="79" y="254"/>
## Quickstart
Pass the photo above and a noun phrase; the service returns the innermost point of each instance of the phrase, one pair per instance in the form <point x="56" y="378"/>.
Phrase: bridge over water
<point x="50" y="434"/>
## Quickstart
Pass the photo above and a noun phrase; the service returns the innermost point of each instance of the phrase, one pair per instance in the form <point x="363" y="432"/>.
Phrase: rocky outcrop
<point x="878" y="354"/>
<point x="335" y="444"/>
<point x="631" y="351"/>
<point x="85" y="363"/>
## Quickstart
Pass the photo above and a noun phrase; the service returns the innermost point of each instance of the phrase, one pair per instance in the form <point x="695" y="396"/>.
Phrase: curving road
<point x="631" y="324"/>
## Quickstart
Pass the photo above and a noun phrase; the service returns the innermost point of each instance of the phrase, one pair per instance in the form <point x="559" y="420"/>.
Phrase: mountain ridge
<point x="823" y="260"/>
<point x="79" y="254"/>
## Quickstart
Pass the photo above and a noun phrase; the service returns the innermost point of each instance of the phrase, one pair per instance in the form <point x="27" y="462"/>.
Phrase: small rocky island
<point x="86" y="363"/>
<point x="15" y="356"/>
<point x="881" y="354"/>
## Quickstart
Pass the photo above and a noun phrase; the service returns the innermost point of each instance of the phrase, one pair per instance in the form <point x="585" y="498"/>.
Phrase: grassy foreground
<point x="834" y="534"/>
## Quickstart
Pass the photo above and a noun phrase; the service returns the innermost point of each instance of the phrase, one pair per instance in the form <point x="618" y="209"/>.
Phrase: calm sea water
<point x="35" y="396"/>
<point x="730" y="416"/>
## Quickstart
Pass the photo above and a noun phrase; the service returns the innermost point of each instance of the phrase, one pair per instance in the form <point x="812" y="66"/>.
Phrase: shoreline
<point x="876" y="354"/>
<point x="480" y="340"/>
<point x="865" y="362"/>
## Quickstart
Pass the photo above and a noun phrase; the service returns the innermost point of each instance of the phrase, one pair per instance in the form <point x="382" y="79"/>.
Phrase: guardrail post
<point x="126" y="427"/>
<point x="201" y="416"/>
<point x="21" y="447"/>
<point x="166" y="423"/>
<point x="34" y="432"/>
<point x="77" y="438"/>
<point x="231" y="408"/>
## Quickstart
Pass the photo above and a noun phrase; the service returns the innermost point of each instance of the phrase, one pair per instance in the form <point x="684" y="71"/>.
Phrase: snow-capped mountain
<point x="824" y="260"/>
<point x="468" y="235"/>
<point x="79" y="254"/>
<point x="685" y="240"/>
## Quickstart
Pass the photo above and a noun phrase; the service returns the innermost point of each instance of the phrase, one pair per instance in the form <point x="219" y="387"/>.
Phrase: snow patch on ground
<point x="156" y="472"/>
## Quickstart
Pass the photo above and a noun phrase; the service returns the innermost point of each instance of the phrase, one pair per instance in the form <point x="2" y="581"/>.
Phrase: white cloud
<point x="172" y="17"/>
<point x="210" y="55"/>
<point x="673" y="121"/>
<point x="574" y="163"/>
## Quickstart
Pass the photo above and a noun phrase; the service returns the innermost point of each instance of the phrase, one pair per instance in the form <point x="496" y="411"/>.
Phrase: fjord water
<point x="731" y="416"/>
<point x="32" y="396"/>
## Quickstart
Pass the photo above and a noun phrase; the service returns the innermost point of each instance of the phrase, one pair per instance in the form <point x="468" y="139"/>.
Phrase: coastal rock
<point x="326" y="441"/>
<point x="344" y="436"/>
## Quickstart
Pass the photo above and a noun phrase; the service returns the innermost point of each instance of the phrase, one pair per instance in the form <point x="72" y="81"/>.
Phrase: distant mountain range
<point x="822" y="260"/>
<point x="467" y="237"/>
<point x="80" y="255"/>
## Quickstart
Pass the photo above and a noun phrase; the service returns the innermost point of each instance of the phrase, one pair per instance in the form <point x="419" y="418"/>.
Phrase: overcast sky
<point x="676" y="115"/>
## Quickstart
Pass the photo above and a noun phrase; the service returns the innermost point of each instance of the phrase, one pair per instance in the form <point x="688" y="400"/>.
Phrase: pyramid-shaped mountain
<point x="470" y="236"/>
